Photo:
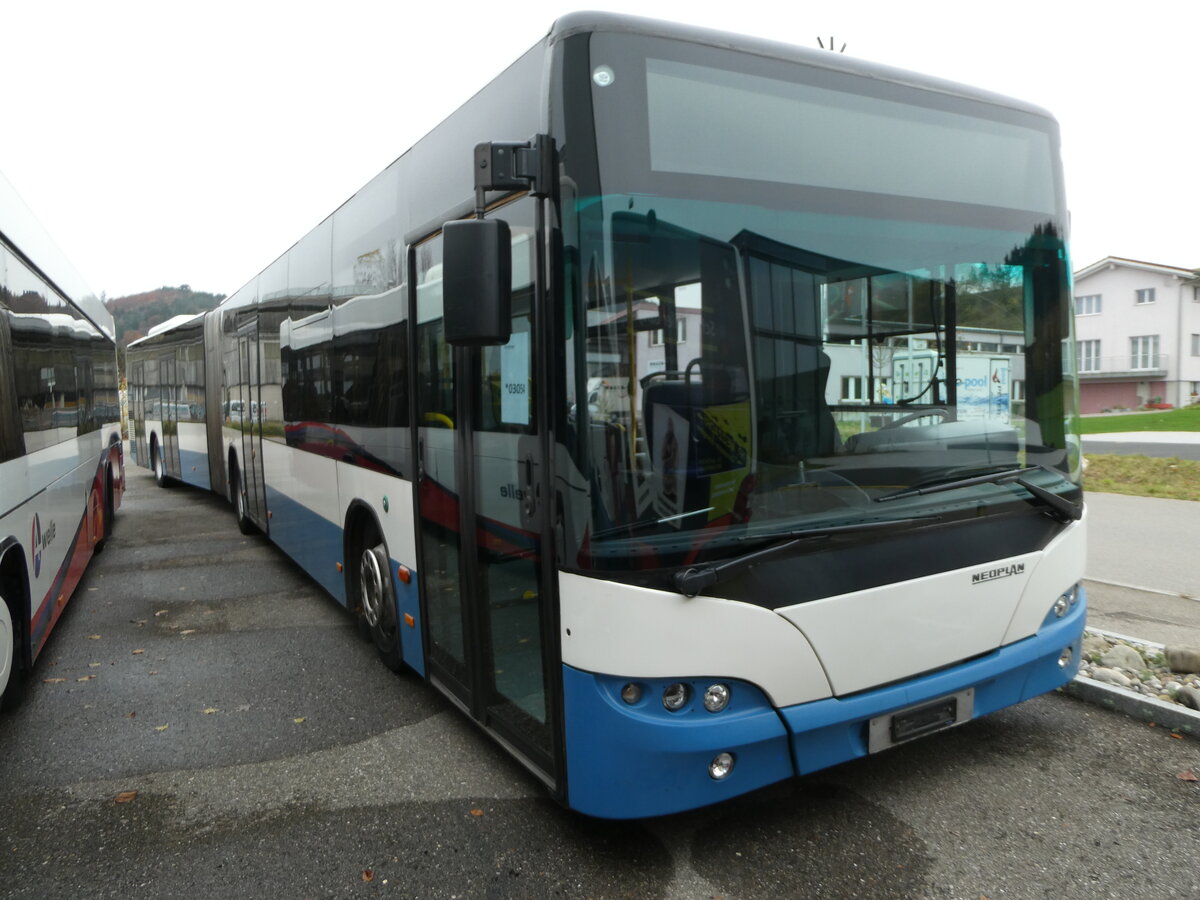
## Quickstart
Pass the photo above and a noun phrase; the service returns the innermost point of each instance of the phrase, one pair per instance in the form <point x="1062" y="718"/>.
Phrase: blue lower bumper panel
<point x="630" y="761"/>
<point x="634" y="760"/>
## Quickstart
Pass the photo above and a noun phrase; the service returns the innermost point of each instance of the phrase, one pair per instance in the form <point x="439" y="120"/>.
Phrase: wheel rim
<point x="241" y="503"/>
<point x="7" y="645"/>
<point x="371" y="586"/>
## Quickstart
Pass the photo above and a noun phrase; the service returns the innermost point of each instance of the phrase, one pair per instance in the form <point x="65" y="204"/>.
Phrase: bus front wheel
<point x="377" y="598"/>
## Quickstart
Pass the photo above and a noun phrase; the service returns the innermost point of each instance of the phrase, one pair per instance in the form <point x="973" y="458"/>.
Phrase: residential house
<point x="1137" y="333"/>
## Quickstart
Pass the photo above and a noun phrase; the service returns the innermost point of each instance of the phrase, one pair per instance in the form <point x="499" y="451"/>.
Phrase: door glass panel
<point x="437" y="480"/>
<point x="507" y="529"/>
<point x="483" y="596"/>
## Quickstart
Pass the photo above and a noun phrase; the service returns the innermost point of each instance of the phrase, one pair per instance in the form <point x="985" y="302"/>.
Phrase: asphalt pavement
<point x="205" y="722"/>
<point x="1143" y="570"/>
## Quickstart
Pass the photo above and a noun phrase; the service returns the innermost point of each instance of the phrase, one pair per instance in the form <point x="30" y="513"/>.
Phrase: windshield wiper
<point x="694" y="579"/>
<point x="1064" y="509"/>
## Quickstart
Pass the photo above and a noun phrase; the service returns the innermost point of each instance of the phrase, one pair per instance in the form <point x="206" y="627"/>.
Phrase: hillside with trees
<point x="136" y="314"/>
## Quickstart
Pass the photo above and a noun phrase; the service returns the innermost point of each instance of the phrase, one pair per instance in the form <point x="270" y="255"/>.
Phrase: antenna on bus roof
<point x="821" y="44"/>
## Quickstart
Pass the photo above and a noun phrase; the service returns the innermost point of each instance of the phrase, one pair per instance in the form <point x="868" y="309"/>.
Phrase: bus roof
<point x="22" y="231"/>
<point x="585" y="22"/>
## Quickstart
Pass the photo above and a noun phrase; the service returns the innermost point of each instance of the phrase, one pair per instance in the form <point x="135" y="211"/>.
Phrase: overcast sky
<point x="168" y="144"/>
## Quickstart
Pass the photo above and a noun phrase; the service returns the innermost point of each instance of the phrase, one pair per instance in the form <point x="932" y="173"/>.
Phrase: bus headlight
<point x="716" y="698"/>
<point x="675" y="696"/>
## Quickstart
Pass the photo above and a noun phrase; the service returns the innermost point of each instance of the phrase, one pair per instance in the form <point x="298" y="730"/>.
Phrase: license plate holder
<point x="916" y="721"/>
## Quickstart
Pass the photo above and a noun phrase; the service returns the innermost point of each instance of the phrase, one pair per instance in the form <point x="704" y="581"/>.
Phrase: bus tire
<point x="107" y="511"/>
<point x="244" y="523"/>
<point x="12" y="658"/>
<point x="158" y="465"/>
<point x="377" y="595"/>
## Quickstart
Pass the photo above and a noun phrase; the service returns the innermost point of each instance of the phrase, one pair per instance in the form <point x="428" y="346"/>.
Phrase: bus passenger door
<point x="251" y="424"/>
<point x="481" y="538"/>
<point x="168" y="387"/>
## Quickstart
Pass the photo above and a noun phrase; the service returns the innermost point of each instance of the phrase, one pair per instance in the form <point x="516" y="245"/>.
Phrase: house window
<point x="852" y="388"/>
<point x="1143" y="352"/>
<point x="1087" y="305"/>
<point x="1018" y="389"/>
<point x="1089" y="356"/>
<point x="656" y="336"/>
<point x="1144" y="296"/>
<point x="1196" y="345"/>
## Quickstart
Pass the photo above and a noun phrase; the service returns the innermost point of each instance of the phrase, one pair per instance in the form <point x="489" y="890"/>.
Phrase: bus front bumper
<point x="632" y="760"/>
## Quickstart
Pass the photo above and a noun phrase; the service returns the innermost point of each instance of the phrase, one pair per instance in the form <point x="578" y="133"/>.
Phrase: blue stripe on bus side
<point x="626" y="761"/>
<point x="310" y="539"/>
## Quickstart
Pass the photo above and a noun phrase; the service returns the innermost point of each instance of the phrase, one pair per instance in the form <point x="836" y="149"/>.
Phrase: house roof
<point x="1110" y="262"/>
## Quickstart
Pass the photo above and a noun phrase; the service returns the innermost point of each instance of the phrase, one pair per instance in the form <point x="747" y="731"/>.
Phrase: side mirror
<point x="477" y="282"/>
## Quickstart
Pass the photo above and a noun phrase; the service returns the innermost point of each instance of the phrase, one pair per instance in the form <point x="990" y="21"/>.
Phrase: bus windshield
<point x="797" y="296"/>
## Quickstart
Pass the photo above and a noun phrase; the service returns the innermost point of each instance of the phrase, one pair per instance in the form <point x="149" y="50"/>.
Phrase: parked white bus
<point x="545" y="404"/>
<point x="61" y="466"/>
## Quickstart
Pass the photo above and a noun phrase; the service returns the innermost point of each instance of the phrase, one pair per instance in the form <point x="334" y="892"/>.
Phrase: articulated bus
<point x="61" y="466"/>
<point x="547" y="405"/>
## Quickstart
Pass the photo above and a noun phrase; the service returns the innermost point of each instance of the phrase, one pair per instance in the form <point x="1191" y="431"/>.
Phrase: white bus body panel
<point x="895" y="631"/>
<point x="821" y="648"/>
<point x="644" y="633"/>
<point x="357" y="483"/>
<point x="304" y="478"/>
<point x="1062" y="565"/>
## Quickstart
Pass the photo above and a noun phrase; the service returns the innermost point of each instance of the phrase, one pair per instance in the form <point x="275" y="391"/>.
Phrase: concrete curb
<point x="1147" y="709"/>
<point x="1137" y="706"/>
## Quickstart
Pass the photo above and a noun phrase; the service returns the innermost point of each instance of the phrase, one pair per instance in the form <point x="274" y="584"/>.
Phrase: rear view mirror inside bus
<point x="477" y="285"/>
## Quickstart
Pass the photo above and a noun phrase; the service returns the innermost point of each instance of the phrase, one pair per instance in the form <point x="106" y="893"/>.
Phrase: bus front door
<point x="480" y="537"/>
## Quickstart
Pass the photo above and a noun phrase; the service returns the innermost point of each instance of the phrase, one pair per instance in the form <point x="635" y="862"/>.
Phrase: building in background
<point x="1137" y="333"/>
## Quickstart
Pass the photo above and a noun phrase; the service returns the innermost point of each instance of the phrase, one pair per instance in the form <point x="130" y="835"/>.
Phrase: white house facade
<point x="1137" y="334"/>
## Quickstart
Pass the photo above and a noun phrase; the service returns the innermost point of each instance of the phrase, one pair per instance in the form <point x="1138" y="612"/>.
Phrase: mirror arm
<point x="501" y="166"/>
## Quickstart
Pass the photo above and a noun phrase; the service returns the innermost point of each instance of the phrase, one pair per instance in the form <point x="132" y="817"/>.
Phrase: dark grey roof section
<point x="581" y="22"/>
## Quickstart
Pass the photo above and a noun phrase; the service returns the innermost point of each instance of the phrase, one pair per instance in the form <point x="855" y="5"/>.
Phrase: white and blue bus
<point x="61" y="467"/>
<point x="547" y="405"/>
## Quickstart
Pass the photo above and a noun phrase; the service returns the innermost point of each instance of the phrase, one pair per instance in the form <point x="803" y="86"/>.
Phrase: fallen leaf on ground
<point x="299" y="720"/>
<point x="161" y="727"/>
<point x="477" y="812"/>
<point x="161" y="612"/>
<point x="138" y="652"/>
<point x="1187" y="775"/>
<point x="94" y="665"/>
<point x="93" y="637"/>
<point x="211" y="710"/>
<point x="86" y="678"/>
<point x="53" y="680"/>
<point x="368" y="875"/>
<point x="125" y="797"/>
<point x="188" y="631"/>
